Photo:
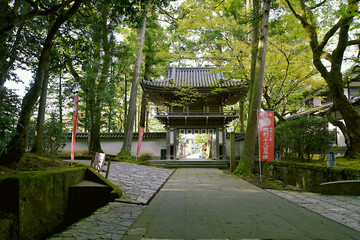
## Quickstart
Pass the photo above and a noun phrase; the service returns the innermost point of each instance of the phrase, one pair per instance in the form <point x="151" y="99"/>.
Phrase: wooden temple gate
<point x="194" y="100"/>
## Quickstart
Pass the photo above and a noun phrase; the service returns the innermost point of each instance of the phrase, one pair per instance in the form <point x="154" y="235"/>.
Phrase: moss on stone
<point x="307" y="176"/>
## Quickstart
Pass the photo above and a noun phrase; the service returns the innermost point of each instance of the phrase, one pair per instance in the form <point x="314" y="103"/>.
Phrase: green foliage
<point x="9" y="108"/>
<point x="303" y="137"/>
<point x="185" y="95"/>
<point x="54" y="137"/>
<point x="145" y="157"/>
<point x="201" y="138"/>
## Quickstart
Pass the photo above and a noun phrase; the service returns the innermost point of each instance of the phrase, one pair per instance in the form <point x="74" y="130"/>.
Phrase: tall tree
<point x="14" y="15"/>
<point x="17" y="146"/>
<point x="37" y="148"/>
<point x="156" y="58"/>
<point x="94" y="144"/>
<point x="330" y="45"/>
<point x="246" y="163"/>
<point x="126" y="148"/>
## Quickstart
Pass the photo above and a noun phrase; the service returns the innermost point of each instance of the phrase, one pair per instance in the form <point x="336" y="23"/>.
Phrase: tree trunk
<point x="143" y="110"/>
<point x="254" y="44"/>
<point x="338" y="124"/>
<point x="126" y="148"/>
<point x="147" y="121"/>
<point x="60" y="97"/>
<point x="101" y="86"/>
<point x="38" y="143"/>
<point x="17" y="145"/>
<point x="125" y="103"/>
<point x="348" y="112"/>
<point x="246" y="163"/>
<point x="334" y="77"/>
<point x="241" y="115"/>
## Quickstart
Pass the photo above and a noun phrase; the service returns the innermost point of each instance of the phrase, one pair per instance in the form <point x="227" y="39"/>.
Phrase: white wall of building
<point x="149" y="147"/>
<point x="113" y="146"/>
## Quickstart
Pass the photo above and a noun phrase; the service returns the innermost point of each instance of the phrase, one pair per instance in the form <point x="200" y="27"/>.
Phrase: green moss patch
<point x="33" y="162"/>
<point x="341" y="162"/>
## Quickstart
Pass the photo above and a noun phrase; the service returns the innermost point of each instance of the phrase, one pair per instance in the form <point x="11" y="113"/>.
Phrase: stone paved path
<point x="208" y="204"/>
<point x="139" y="183"/>
<point x="342" y="209"/>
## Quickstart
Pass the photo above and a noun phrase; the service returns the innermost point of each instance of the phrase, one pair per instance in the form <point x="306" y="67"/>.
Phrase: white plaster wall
<point x="81" y="147"/>
<point x="113" y="146"/>
<point x="151" y="147"/>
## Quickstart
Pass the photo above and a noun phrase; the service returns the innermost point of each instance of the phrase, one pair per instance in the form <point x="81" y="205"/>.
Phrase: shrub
<point x="54" y="137"/>
<point x="303" y="137"/>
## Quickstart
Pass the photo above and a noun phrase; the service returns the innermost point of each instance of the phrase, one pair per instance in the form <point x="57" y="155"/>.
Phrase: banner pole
<point x="259" y="146"/>
<point x="260" y="171"/>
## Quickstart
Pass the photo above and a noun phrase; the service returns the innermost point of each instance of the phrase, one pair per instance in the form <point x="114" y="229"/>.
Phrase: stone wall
<point x="305" y="176"/>
<point x="35" y="204"/>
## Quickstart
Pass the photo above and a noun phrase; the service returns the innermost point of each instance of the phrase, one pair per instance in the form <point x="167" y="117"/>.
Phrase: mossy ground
<point x="269" y="183"/>
<point x="341" y="162"/>
<point x="139" y="160"/>
<point x="33" y="162"/>
<point x="266" y="183"/>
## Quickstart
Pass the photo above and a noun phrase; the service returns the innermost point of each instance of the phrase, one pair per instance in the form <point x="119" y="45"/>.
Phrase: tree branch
<point x="302" y="19"/>
<point x="338" y="53"/>
<point x="318" y="5"/>
<point x="353" y="42"/>
<point x="329" y="34"/>
<point x="326" y="56"/>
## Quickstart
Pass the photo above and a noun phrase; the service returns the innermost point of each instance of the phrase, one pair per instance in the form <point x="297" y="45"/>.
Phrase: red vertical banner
<point x="141" y="135"/>
<point x="75" y="116"/>
<point x="266" y="136"/>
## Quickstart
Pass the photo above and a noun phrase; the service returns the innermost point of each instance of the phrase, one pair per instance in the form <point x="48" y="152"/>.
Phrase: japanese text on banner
<point x="266" y="135"/>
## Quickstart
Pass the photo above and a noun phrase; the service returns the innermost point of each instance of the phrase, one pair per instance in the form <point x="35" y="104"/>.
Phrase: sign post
<point x="266" y="137"/>
<point x="75" y="116"/>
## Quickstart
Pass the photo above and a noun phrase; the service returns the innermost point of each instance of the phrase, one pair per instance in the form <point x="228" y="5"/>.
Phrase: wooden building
<point x="194" y="101"/>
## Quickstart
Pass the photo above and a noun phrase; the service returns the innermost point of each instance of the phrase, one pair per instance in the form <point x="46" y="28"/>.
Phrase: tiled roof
<point x="193" y="77"/>
<point x="321" y="110"/>
<point x="238" y="135"/>
<point x="120" y="135"/>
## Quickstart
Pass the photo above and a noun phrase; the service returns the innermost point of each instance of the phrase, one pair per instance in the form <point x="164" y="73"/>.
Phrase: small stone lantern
<point x="331" y="159"/>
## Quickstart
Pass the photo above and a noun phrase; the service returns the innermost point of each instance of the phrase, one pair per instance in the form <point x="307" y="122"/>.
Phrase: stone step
<point x="85" y="197"/>
<point x="89" y="184"/>
<point x="196" y="166"/>
<point x="190" y="163"/>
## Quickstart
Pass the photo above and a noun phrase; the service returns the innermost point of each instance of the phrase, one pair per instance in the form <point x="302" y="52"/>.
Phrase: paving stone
<point x="140" y="183"/>
<point x="337" y="208"/>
